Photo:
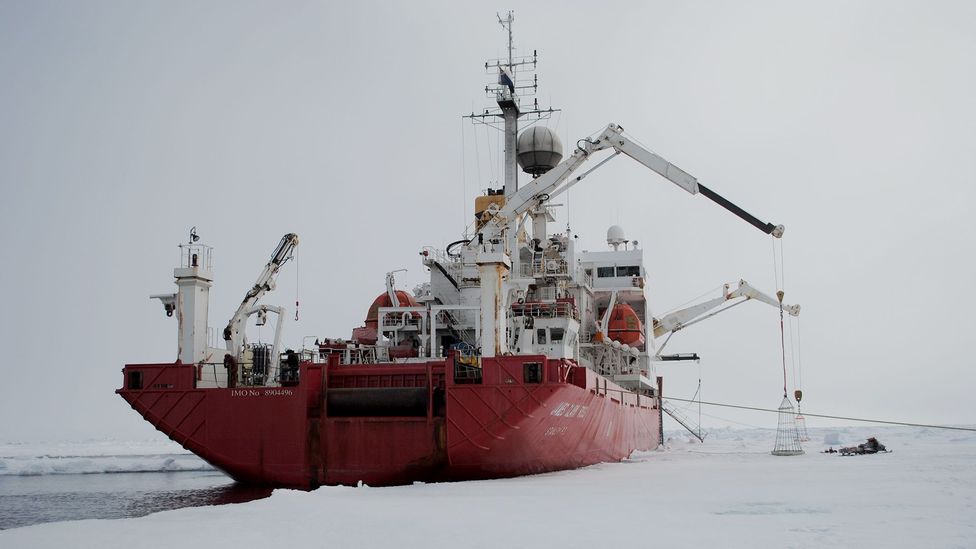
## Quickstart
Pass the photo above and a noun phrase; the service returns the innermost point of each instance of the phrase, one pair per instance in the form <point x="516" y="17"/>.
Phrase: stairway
<point x="685" y="422"/>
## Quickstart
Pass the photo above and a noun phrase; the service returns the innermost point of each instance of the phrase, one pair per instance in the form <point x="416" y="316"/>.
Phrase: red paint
<point x="502" y="427"/>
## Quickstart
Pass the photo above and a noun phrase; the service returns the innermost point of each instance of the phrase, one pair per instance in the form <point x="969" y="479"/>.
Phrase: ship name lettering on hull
<point x="565" y="409"/>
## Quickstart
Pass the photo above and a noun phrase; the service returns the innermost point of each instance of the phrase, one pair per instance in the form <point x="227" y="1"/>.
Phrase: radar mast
<point x="514" y="79"/>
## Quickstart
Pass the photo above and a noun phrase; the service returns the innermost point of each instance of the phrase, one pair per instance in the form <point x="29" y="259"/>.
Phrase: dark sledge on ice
<point x="872" y="446"/>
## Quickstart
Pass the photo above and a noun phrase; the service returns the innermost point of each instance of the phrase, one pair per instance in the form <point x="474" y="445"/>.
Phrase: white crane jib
<point x="604" y="328"/>
<point x="692" y="315"/>
<point x="493" y="256"/>
<point x="234" y="332"/>
<point x="557" y="180"/>
<point x="391" y="287"/>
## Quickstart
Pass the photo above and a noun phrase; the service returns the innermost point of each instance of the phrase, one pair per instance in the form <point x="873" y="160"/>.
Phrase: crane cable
<point x="295" y="253"/>
<point x="780" y="282"/>
<point x="799" y="355"/>
<point x="796" y="359"/>
<point x="782" y="340"/>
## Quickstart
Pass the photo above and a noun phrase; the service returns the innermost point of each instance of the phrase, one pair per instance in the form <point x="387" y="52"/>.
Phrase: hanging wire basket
<point x="787" y="439"/>
<point x="801" y="427"/>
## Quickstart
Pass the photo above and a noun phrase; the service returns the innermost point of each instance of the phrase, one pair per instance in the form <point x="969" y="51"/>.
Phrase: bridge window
<point x="540" y="336"/>
<point x="556" y="334"/>
<point x="630" y="270"/>
<point x="624" y="270"/>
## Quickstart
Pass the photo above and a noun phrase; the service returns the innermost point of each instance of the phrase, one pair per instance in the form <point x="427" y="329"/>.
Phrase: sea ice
<point x="725" y="493"/>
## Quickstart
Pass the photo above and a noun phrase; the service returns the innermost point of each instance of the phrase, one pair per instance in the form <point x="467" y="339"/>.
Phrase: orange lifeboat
<point x="383" y="300"/>
<point x="625" y="326"/>
<point x="367" y="334"/>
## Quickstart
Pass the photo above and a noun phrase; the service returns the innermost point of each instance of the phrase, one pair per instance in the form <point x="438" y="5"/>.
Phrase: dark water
<point x="26" y="500"/>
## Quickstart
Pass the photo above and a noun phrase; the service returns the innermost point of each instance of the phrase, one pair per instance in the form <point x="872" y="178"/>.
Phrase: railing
<point x="214" y="373"/>
<point x="545" y="293"/>
<point x="395" y="320"/>
<point x="539" y="268"/>
<point x="467" y="366"/>
<point x="585" y="278"/>
<point x="451" y="265"/>
<point x="457" y="328"/>
<point x="440" y="256"/>
<point x="362" y="354"/>
<point x="624" y="396"/>
<point x="256" y="373"/>
<point x="558" y="309"/>
<point x="196" y="255"/>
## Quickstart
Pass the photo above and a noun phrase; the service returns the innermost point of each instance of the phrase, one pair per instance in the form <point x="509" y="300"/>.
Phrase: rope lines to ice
<point x="828" y="416"/>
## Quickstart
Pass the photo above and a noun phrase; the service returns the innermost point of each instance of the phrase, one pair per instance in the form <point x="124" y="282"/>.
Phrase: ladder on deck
<point x="685" y="422"/>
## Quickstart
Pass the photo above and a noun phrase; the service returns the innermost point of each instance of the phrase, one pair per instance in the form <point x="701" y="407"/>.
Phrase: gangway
<point x="685" y="422"/>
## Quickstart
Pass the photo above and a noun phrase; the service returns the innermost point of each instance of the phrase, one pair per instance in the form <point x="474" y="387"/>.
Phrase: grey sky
<point x="126" y="123"/>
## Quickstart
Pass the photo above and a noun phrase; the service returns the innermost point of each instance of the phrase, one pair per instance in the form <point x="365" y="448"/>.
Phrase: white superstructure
<point x="513" y="287"/>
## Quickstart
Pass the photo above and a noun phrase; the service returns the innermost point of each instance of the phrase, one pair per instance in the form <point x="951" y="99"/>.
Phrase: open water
<point x="32" y="499"/>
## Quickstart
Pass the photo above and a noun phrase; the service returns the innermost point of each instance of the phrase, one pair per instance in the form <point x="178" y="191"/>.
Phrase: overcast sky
<point x="123" y="124"/>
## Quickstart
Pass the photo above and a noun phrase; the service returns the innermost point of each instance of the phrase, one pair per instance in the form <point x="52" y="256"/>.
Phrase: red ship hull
<point x="390" y="424"/>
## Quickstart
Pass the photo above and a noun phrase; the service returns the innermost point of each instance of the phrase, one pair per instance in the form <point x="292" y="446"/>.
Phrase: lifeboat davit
<point x="625" y="326"/>
<point x="367" y="334"/>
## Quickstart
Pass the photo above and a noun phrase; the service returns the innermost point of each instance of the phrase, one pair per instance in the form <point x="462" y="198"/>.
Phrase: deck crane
<point x="391" y="287"/>
<point x="489" y="246"/>
<point x="603" y="328"/>
<point x="234" y="332"/>
<point x="557" y="181"/>
<point x="694" y="314"/>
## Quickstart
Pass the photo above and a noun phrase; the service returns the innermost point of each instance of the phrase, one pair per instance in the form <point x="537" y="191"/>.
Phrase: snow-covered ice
<point x="97" y="456"/>
<point x="729" y="492"/>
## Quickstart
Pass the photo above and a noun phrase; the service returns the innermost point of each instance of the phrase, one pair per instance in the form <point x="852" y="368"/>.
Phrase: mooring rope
<point x="847" y="418"/>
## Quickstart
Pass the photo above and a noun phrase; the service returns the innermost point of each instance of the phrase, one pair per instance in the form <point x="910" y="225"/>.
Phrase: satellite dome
<point x="615" y="235"/>
<point x="539" y="150"/>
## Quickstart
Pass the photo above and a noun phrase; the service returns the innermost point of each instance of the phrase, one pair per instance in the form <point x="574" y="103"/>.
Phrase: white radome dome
<point x="538" y="150"/>
<point x="615" y="235"/>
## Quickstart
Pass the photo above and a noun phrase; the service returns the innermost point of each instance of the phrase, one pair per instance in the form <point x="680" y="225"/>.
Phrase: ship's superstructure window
<point x="556" y="334"/>
<point x="532" y="372"/>
<point x="540" y="336"/>
<point x="629" y="270"/>
<point x="625" y="270"/>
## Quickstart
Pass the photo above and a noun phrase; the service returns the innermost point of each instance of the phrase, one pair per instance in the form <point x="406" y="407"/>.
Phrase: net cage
<point x="787" y="438"/>
<point x="801" y="426"/>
